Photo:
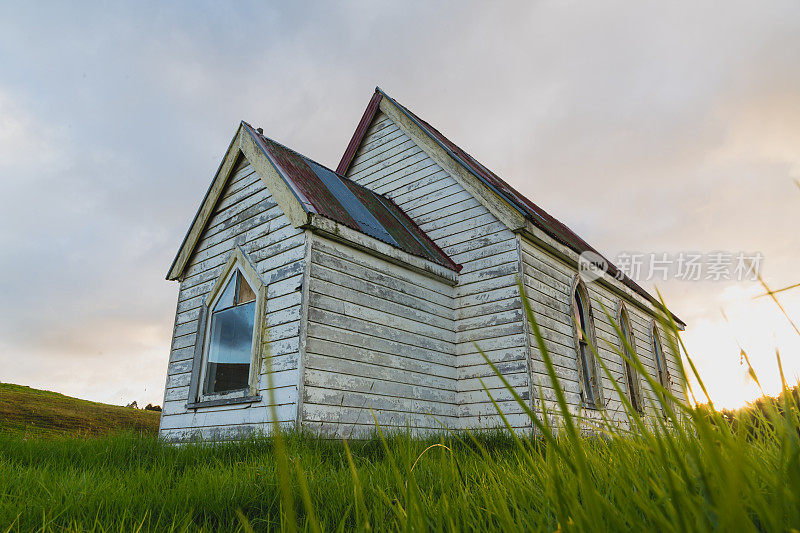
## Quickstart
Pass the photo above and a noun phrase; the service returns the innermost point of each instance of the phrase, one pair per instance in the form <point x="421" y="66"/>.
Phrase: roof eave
<point x="337" y="231"/>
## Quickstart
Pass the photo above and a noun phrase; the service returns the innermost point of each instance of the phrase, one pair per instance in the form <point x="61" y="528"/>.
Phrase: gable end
<point x="244" y="145"/>
<point x="512" y="208"/>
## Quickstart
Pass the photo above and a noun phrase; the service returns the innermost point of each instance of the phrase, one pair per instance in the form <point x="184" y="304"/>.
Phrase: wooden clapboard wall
<point x="247" y="216"/>
<point x="488" y="309"/>
<point x="375" y="335"/>
<point x="548" y="284"/>
<point x="380" y="337"/>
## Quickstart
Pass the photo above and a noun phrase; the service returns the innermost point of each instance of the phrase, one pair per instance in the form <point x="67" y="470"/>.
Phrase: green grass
<point x="31" y="412"/>
<point x="120" y="482"/>
<point x="693" y="470"/>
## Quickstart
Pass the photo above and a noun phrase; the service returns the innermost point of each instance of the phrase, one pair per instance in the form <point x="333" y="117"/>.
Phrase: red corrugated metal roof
<point x="325" y="192"/>
<point x="549" y="224"/>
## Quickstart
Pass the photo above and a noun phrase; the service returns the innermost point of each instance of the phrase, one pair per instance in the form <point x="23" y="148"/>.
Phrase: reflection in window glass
<point x="245" y="293"/>
<point x="231" y="338"/>
<point x="658" y="355"/>
<point x="632" y="378"/>
<point x="228" y="295"/>
<point x="586" y="359"/>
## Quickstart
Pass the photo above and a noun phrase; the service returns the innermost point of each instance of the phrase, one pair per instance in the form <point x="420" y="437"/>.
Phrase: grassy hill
<point x="37" y="412"/>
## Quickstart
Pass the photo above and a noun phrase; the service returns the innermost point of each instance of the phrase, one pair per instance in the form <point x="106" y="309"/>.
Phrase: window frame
<point x="237" y="262"/>
<point x="595" y="382"/>
<point x="630" y="374"/>
<point x="661" y="368"/>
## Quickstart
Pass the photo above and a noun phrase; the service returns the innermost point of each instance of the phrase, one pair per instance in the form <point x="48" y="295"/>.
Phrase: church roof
<point x="324" y="192"/>
<point x="538" y="216"/>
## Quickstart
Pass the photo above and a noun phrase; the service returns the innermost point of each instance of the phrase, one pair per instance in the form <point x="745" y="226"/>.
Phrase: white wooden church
<point x="370" y="287"/>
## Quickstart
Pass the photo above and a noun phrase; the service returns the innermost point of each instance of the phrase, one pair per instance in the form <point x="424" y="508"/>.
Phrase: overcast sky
<point x="648" y="128"/>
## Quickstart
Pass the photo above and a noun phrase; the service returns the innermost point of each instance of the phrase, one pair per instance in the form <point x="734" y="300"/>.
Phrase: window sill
<point x="223" y="401"/>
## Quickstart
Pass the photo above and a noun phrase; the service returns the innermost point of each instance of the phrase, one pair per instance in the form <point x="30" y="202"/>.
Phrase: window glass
<point x="586" y="359"/>
<point x="631" y="381"/>
<point x="632" y="387"/>
<point x="588" y="374"/>
<point x="245" y="293"/>
<point x="578" y="310"/>
<point x="658" y="355"/>
<point x="228" y="295"/>
<point x="230" y="341"/>
<point x="661" y="366"/>
<point x="623" y="325"/>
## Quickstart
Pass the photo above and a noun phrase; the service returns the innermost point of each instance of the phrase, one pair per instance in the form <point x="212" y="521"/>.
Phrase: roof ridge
<point x="340" y="175"/>
<point x="547" y="222"/>
<point x="350" y="180"/>
<point x="291" y="149"/>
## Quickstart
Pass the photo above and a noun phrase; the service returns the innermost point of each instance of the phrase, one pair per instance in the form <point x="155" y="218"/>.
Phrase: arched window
<point x="584" y="337"/>
<point x="229" y="348"/>
<point x="629" y="372"/>
<point x="227" y="354"/>
<point x="660" y="360"/>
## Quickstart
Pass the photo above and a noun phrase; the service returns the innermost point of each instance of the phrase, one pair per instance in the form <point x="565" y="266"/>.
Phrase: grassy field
<point x="31" y="412"/>
<point x="693" y="470"/>
<point x="661" y="480"/>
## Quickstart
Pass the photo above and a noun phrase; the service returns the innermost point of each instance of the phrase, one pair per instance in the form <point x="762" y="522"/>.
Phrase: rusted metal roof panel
<point x="396" y="222"/>
<point x="549" y="224"/>
<point x="303" y="180"/>
<point x="364" y="218"/>
<point x="325" y="192"/>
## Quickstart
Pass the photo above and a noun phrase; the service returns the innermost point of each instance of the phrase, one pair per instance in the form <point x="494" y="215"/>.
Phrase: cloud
<point x="647" y="127"/>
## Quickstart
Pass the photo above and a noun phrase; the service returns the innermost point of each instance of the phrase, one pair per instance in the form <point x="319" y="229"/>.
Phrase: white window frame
<point x="237" y="262"/>
<point x="660" y="362"/>
<point x="635" y="378"/>
<point x="598" y="401"/>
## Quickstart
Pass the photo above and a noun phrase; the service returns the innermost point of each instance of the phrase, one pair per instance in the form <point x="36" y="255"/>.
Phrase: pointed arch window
<point x="584" y="339"/>
<point x="630" y="375"/>
<point x="227" y="347"/>
<point x="658" y="355"/>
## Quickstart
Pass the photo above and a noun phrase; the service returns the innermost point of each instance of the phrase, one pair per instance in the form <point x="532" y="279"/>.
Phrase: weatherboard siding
<point x="488" y="312"/>
<point x="548" y="283"/>
<point x="246" y="215"/>
<point x="349" y="336"/>
<point x="380" y="339"/>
